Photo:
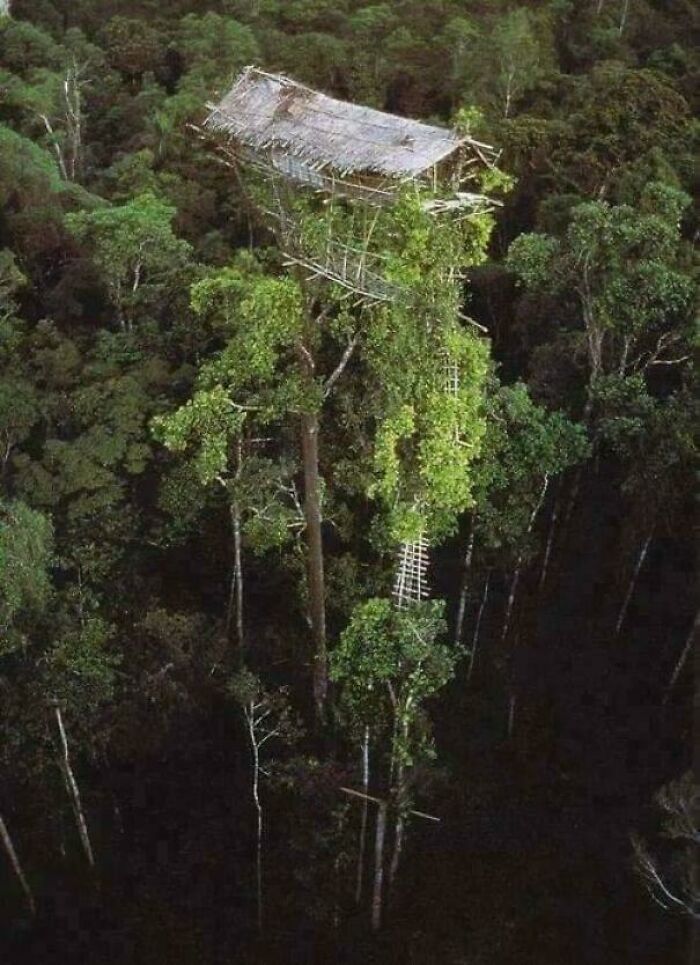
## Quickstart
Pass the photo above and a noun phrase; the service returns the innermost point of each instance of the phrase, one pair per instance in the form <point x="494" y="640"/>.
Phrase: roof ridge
<point x="332" y="132"/>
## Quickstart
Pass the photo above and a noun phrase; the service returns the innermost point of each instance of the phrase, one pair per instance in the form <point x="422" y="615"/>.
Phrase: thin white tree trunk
<point x="623" y="16"/>
<point x="258" y="808"/>
<point x="632" y="584"/>
<point x="14" y="861"/>
<point x="378" y="866"/>
<point x="363" y="825"/>
<point x="73" y="791"/>
<point x="685" y="653"/>
<point x="238" y="549"/>
<point x="477" y="628"/>
<point x="519" y="563"/>
<point x="400" y="824"/>
<point x="399" y="832"/>
<point x="235" y="601"/>
<point x="550" y="541"/>
<point x="462" y="607"/>
<point x="56" y="146"/>
<point x="74" y="118"/>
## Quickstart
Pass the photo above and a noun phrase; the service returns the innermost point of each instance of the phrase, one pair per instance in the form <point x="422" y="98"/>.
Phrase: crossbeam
<point x="383" y="801"/>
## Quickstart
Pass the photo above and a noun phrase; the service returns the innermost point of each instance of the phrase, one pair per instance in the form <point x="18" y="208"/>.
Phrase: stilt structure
<point x="298" y="139"/>
<point x="356" y="160"/>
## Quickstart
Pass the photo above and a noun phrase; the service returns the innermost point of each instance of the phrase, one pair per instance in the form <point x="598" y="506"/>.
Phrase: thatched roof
<point x="270" y="113"/>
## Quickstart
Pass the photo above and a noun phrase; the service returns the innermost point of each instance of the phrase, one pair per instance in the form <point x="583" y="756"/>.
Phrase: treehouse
<point x="285" y="128"/>
<point x="300" y="139"/>
<point x="356" y="160"/>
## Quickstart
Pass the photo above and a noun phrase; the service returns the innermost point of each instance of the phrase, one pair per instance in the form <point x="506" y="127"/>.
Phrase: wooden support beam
<point x="382" y="801"/>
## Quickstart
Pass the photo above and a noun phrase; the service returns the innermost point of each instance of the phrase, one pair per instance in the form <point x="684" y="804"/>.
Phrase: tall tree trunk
<point x="250" y="716"/>
<point x="623" y="16"/>
<point x="14" y="861"/>
<point x="632" y="583"/>
<point x="314" y="541"/>
<point x="238" y="564"/>
<point x="378" y="866"/>
<point x="74" y="118"/>
<point x="235" y="599"/>
<point x="475" y="637"/>
<point x="464" y="589"/>
<point x="73" y="791"/>
<point x="519" y="562"/>
<point x="399" y="830"/>
<point x="680" y="663"/>
<point x="238" y="549"/>
<point x="363" y="824"/>
<point x="399" y="826"/>
<point x="550" y="540"/>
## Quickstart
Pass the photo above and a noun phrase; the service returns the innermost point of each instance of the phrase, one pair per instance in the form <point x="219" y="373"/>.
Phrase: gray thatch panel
<point x="268" y="112"/>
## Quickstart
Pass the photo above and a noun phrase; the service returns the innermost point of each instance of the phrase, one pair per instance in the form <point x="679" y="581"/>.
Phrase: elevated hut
<point x="299" y="140"/>
<point x="330" y="145"/>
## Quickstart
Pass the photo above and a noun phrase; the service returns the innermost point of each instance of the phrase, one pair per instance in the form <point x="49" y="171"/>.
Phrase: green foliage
<point x="133" y="48"/>
<point x="385" y="645"/>
<point x="79" y="671"/>
<point x="26" y="555"/>
<point x="268" y="713"/>
<point x="525" y="446"/>
<point x="389" y="662"/>
<point x="25" y="48"/>
<point x="624" y="266"/>
<point x="428" y="434"/>
<point x="210" y="420"/>
<point x="214" y="48"/>
<point x="135" y="250"/>
<point x="26" y="170"/>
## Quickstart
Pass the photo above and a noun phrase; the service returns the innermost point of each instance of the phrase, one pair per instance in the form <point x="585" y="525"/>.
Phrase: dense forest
<point x="220" y="740"/>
